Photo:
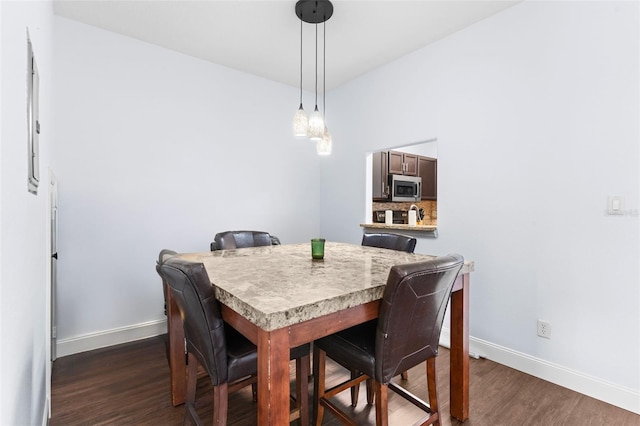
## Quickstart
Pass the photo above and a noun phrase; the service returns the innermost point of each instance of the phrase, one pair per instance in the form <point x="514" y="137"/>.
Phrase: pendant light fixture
<point x="313" y="12"/>
<point x="300" y="119"/>
<point x="316" y="121"/>
<point x="324" y="145"/>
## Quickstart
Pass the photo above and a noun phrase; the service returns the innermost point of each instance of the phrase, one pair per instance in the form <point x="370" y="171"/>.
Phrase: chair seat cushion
<point x="355" y="347"/>
<point x="242" y="355"/>
<point x="300" y="351"/>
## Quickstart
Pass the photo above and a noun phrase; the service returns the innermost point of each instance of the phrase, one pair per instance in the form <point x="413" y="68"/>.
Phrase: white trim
<point x="594" y="387"/>
<point x="88" y="342"/>
<point x="626" y="398"/>
<point x="46" y="413"/>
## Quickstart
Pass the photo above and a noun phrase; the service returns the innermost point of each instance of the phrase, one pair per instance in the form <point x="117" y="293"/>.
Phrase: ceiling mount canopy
<point x="314" y="11"/>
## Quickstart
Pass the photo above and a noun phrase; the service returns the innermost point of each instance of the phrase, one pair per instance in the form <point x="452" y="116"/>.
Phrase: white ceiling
<point x="262" y="37"/>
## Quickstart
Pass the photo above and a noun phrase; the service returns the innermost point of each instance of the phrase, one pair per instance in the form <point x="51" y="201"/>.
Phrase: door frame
<point x="51" y="342"/>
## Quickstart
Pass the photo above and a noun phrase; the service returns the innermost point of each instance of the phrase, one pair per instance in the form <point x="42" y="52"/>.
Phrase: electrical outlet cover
<point x="544" y="329"/>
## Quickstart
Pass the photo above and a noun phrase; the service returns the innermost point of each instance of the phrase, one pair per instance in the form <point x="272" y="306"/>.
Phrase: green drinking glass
<point x="317" y="248"/>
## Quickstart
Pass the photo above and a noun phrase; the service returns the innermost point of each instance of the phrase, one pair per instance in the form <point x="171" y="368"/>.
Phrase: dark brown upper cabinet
<point x="428" y="171"/>
<point x="380" y="173"/>
<point x="386" y="163"/>
<point x="401" y="163"/>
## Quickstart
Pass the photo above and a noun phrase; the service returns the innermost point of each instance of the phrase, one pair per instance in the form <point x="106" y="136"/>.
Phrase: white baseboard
<point x="46" y="412"/>
<point x="594" y="387"/>
<point x="88" y="342"/>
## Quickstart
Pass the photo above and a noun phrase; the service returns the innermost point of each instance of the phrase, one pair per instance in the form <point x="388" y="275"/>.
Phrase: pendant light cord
<point x="316" y="66"/>
<point x="301" y="62"/>
<point x="324" y="71"/>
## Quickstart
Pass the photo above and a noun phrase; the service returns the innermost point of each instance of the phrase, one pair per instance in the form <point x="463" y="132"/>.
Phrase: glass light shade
<point x="316" y="125"/>
<point x="324" y="145"/>
<point x="300" y="123"/>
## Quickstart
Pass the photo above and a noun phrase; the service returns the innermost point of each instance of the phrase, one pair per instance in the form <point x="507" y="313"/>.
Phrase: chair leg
<point x="220" y="404"/>
<point x="370" y="391"/>
<point x="432" y="385"/>
<point x="319" y="361"/>
<point x="382" y="404"/>
<point x="190" y="396"/>
<point x="220" y="397"/>
<point x="355" y="391"/>
<point x="404" y="375"/>
<point x="302" y="388"/>
<point x="192" y="379"/>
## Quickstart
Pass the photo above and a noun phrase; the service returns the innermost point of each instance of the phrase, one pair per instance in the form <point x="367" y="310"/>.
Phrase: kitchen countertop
<point x="401" y="227"/>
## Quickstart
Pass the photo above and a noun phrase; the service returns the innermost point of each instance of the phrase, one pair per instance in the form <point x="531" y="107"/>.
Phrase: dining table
<point x="279" y="298"/>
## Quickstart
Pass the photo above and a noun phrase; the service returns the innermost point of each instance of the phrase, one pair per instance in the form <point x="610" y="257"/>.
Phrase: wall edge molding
<point x="46" y="416"/>
<point x="577" y="381"/>
<point x="594" y="387"/>
<point x="116" y="336"/>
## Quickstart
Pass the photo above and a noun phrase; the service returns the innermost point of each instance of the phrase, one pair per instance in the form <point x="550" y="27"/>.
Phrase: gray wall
<point x="24" y="217"/>
<point x="536" y="115"/>
<point x="160" y="150"/>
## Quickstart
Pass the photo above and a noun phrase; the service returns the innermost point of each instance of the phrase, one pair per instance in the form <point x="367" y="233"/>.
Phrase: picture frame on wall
<point x="33" y="120"/>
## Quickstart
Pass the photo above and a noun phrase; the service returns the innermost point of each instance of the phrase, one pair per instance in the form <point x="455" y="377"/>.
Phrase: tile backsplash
<point x="430" y="209"/>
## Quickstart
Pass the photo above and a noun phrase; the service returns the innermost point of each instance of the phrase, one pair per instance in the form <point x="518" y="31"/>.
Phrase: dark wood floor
<point x="129" y="385"/>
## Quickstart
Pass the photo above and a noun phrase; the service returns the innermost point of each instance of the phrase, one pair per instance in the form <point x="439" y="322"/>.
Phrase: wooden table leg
<point x="273" y="377"/>
<point x="459" y="355"/>
<point x="177" y="357"/>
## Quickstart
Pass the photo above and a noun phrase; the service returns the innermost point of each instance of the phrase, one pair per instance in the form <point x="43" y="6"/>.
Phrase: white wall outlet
<point x="615" y="204"/>
<point x="544" y="329"/>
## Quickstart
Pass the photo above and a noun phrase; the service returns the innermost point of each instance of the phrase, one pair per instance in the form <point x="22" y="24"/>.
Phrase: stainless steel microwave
<point x="406" y="188"/>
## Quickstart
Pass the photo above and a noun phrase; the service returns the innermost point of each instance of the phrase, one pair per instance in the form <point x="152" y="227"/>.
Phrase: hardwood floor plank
<point x="129" y="385"/>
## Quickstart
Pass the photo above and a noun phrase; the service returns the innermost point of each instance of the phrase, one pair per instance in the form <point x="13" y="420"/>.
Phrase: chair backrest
<point x="165" y="254"/>
<point x="241" y="239"/>
<point x="411" y="313"/>
<point x="162" y="257"/>
<point x="390" y="241"/>
<point x="200" y="310"/>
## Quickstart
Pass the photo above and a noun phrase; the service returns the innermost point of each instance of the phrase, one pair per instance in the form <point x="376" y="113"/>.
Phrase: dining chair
<point x="390" y="241"/>
<point x="405" y="334"/>
<point x="162" y="257"/>
<point x="227" y="356"/>
<point x="229" y="240"/>
<point x="241" y="239"/>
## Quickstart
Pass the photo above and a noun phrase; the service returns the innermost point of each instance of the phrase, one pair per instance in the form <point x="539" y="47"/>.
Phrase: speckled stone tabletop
<point x="277" y="286"/>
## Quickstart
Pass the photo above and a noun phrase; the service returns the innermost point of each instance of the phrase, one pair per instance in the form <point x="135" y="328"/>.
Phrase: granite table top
<point x="278" y="286"/>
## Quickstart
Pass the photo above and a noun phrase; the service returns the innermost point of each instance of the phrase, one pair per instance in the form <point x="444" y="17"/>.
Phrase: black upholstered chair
<point x="162" y="257"/>
<point x="390" y="241"/>
<point x="405" y="334"/>
<point x="241" y="239"/>
<point x="230" y="240"/>
<point x="227" y="356"/>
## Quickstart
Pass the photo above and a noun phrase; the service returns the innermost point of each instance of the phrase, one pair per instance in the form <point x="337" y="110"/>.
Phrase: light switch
<point x="616" y="205"/>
